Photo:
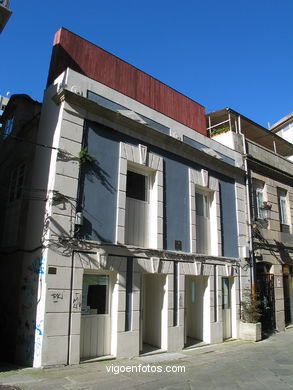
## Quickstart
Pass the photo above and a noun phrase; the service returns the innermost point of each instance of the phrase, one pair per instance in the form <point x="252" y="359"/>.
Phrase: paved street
<point x="232" y="365"/>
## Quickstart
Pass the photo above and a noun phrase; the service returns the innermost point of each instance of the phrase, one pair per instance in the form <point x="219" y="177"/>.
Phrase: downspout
<point x="249" y="211"/>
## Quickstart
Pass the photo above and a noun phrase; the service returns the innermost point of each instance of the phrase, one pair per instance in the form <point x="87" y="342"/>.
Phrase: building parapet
<point x="263" y="155"/>
<point x="132" y="120"/>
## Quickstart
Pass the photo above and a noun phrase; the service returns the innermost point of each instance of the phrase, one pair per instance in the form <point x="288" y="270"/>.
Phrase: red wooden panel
<point x="72" y="51"/>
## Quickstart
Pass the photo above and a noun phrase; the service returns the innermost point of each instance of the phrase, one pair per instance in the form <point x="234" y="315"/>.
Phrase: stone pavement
<point x="233" y="365"/>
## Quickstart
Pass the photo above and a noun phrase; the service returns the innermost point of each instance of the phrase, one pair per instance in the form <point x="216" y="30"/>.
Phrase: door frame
<point x="112" y="309"/>
<point x="164" y="311"/>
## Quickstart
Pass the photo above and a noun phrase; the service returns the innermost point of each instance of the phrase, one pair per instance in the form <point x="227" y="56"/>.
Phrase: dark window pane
<point x="136" y="186"/>
<point x="96" y="298"/>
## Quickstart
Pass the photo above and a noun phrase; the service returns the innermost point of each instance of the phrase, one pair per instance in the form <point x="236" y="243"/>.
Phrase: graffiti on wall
<point x="76" y="301"/>
<point x="57" y="296"/>
<point x="37" y="266"/>
<point x="38" y="337"/>
<point x="30" y="333"/>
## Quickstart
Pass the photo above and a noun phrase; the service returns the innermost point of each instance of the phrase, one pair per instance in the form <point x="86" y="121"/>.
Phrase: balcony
<point x="5" y="13"/>
<point x="268" y="157"/>
<point x="227" y="127"/>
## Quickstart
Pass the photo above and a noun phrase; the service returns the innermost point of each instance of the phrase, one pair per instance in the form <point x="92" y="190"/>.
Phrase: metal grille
<point x="265" y="291"/>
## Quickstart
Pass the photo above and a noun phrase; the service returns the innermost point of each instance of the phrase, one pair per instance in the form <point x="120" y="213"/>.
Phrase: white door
<point x="95" y="328"/>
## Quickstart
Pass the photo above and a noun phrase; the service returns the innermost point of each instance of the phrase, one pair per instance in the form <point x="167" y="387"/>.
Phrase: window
<point x="226" y="298"/>
<point x="258" y="194"/>
<point x="140" y="197"/>
<point x="14" y="206"/>
<point x="205" y="213"/>
<point x="136" y="186"/>
<point x="137" y="209"/>
<point x="8" y="126"/>
<point x="95" y="291"/>
<point x="283" y="213"/>
<point x="202" y="212"/>
<point x="16" y="183"/>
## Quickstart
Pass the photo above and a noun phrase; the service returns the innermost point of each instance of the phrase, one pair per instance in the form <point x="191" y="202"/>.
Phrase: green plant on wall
<point x="220" y="130"/>
<point x="84" y="157"/>
<point x="250" y="307"/>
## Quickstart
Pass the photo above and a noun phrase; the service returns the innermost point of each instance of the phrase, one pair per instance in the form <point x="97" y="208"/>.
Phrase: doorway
<point x="195" y="287"/>
<point x="287" y="282"/>
<point x="153" y="313"/>
<point x="95" y="327"/>
<point x="265" y="291"/>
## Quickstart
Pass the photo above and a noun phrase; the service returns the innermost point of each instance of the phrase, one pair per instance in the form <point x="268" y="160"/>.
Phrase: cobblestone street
<point x="232" y="365"/>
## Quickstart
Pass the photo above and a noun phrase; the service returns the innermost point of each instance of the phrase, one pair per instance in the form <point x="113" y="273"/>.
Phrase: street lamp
<point x="266" y="210"/>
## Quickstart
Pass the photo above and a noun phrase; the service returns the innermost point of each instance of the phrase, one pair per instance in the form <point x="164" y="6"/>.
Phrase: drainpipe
<point x="249" y="208"/>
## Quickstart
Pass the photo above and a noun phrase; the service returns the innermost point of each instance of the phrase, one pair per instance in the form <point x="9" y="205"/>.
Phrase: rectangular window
<point x="137" y="209"/>
<point x="226" y="300"/>
<point x="129" y="289"/>
<point x="16" y="183"/>
<point x="258" y="195"/>
<point x="175" y="295"/>
<point x="202" y="212"/>
<point x="95" y="291"/>
<point x="8" y="127"/>
<point x="283" y="213"/>
<point x="136" y="186"/>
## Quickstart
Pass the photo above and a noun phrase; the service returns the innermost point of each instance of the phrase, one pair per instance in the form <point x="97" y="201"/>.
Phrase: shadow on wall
<point x="93" y="171"/>
<point x="20" y="334"/>
<point x="23" y="269"/>
<point x="60" y="61"/>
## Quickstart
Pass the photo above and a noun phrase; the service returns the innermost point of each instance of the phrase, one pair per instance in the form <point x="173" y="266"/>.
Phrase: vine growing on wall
<point x="84" y="157"/>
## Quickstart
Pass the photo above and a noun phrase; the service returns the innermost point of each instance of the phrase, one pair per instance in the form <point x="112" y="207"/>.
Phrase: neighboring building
<point x="3" y="103"/>
<point x="284" y="128"/>
<point x="270" y="195"/>
<point x="140" y="242"/>
<point x="17" y="144"/>
<point x="5" y="13"/>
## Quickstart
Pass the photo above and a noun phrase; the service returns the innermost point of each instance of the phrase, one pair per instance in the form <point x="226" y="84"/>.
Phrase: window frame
<point x="258" y="188"/>
<point x="16" y="183"/>
<point x="8" y="127"/>
<point x="200" y="181"/>
<point x="139" y="160"/>
<point x="284" y="216"/>
<point x="206" y="196"/>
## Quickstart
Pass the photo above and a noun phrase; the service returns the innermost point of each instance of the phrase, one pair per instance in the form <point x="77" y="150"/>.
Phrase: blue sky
<point x="225" y="53"/>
